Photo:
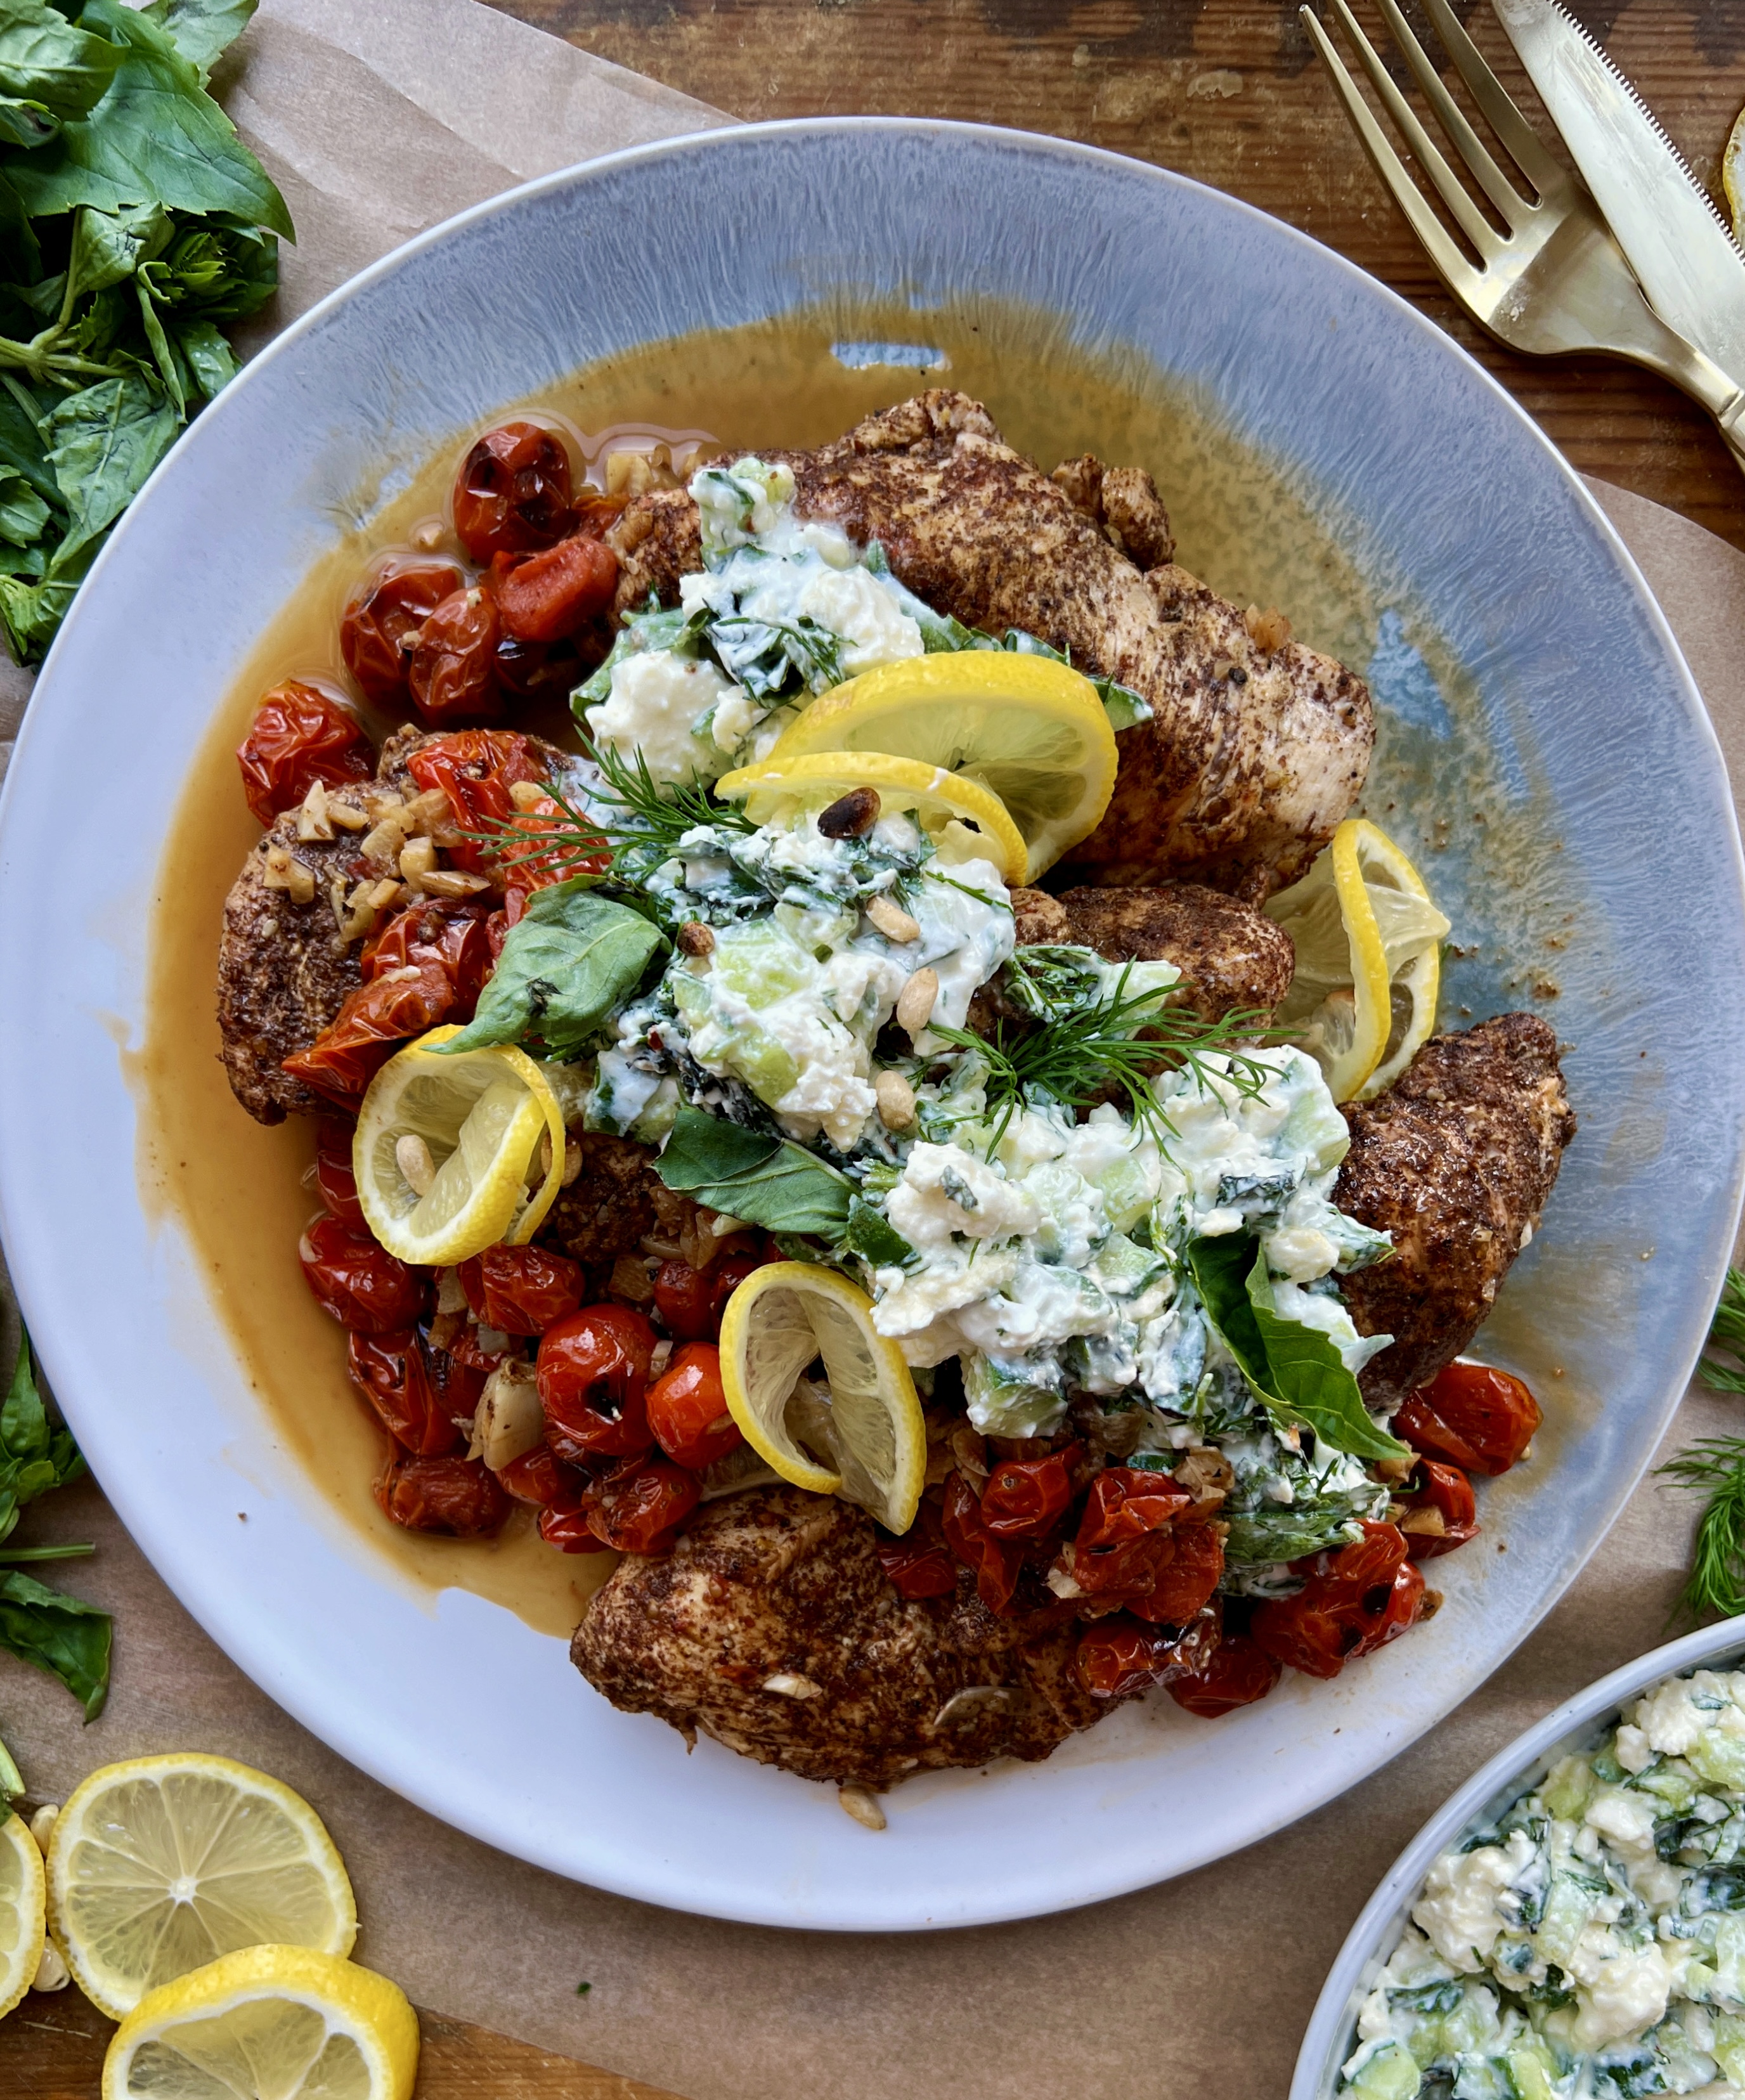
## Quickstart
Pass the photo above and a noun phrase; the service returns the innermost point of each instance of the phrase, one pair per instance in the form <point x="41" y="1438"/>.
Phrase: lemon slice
<point x="1368" y="960"/>
<point x="22" y="1888"/>
<point x="160" y="1864"/>
<point x="1733" y="175"/>
<point x="866" y="1441"/>
<point x="479" y="1116"/>
<point x="278" y="2022"/>
<point x="942" y="803"/>
<point x="1028" y="729"/>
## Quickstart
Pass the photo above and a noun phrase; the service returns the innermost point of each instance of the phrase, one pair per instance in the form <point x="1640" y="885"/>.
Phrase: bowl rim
<point x="32" y="1270"/>
<point x="1517" y="1767"/>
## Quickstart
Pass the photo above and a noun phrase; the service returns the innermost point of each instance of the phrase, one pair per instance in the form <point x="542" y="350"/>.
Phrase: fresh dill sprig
<point x="1726" y="1332"/>
<point x="1118" y="1042"/>
<point x="1717" y="1582"/>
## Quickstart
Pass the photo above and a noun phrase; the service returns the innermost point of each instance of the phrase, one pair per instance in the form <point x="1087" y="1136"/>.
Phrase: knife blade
<point x="1686" y="261"/>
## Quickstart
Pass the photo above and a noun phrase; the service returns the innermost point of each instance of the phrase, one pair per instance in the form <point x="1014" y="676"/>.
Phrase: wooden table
<point x="1227" y="91"/>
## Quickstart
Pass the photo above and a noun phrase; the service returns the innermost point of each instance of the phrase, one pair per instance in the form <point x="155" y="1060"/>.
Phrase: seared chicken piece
<point x="284" y="966"/>
<point x="1230" y="957"/>
<point x="1254" y="753"/>
<point x="614" y="1203"/>
<point x="1456" y="1160"/>
<point x="772" y="1627"/>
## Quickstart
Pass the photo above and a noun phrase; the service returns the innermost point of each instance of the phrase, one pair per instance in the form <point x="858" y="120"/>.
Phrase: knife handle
<point x="1703" y="380"/>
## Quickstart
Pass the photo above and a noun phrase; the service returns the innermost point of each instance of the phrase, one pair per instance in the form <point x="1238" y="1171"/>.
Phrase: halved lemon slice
<point x="1368" y="960"/>
<point x="22" y="1892"/>
<point x="159" y="1865"/>
<point x="1028" y="729"/>
<point x="468" y="1128"/>
<point x="1733" y="175"/>
<point x="280" y="2022"/>
<point x="943" y="804"/>
<point x="865" y="1440"/>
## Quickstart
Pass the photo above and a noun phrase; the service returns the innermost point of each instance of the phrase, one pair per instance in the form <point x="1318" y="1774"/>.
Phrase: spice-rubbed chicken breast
<point x="1231" y="958"/>
<point x="771" y="1626"/>
<point x="1258" y="746"/>
<point x="1456" y="1161"/>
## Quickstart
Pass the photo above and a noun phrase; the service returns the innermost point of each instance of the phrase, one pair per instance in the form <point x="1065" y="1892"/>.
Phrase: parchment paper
<point x="376" y="121"/>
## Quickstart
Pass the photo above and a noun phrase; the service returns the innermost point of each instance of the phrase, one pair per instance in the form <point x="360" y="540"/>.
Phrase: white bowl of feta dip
<point x="1570" y="1925"/>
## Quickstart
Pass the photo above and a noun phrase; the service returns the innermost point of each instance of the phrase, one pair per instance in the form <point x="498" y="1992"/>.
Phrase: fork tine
<point x="1462" y="279"/>
<point x="1520" y="141"/>
<point x="1452" y="118"/>
<point x="1471" y="221"/>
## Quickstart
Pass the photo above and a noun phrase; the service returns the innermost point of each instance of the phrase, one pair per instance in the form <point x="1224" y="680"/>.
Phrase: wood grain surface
<point x="1227" y="91"/>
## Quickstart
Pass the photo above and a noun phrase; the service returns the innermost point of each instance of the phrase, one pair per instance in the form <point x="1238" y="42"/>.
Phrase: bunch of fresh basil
<point x="134" y="226"/>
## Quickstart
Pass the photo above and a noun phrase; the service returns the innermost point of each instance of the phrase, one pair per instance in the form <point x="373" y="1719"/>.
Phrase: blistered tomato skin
<point x="1353" y="1602"/>
<point x="569" y="1531"/>
<point x="687" y="1409"/>
<point x="512" y="494"/>
<point x="918" y="1567"/>
<point x="451" y="674"/>
<point x="1471" y="1415"/>
<point x="640" y="1507"/>
<point x="360" y="1283"/>
<point x="417" y="1393"/>
<point x="522" y="1290"/>
<point x="1186" y="1580"/>
<point x="1238" y="1674"/>
<point x="996" y="1562"/>
<point x="334" y="1181"/>
<point x="543" y="1480"/>
<point x="1025" y="1497"/>
<point x="1446" y="1490"/>
<point x="453" y="1497"/>
<point x="547" y="597"/>
<point x="298" y="736"/>
<point x="593" y="1374"/>
<point x="1118" y="1655"/>
<point x="381" y="624"/>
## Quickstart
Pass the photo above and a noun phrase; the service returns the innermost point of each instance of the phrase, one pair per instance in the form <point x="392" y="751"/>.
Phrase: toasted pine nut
<point x="412" y="1155"/>
<point x="572" y="1160"/>
<point x="896" y="1101"/>
<point x="694" y="938"/>
<point x="892" y="921"/>
<point x="916" y="1000"/>
<point x="862" y="1803"/>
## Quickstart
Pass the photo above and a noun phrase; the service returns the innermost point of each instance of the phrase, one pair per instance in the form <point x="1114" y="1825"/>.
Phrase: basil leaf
<point x="104" y="442"/>
<point x="23" y="513"/>
<point x="207" y="354"/>
<point x="156" y="137"/>
<point x="34" y="1455"/>
<point x="44" y="60"/>
<point x="1295" y="1370"/>
<point x="26" y="124"/>
<point x="572" y="957"/>
<point x="201" y="30"/>
<point x="60" y="1634"/>
<point x="871" y="1235"/>
<point x="768" y="1182"/>
<point x="108" y="247"/>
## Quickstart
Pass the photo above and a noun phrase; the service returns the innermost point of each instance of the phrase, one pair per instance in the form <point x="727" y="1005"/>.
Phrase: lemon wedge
<point x="279" y="2022"/>
<point x="866" y="1441"/>
<point x="1027" y="729"/>
<point x="1368" y="960"/>
<point x="22" y="1888"/>
<point x="942" y="804"/>
<point x="468" y="1127"/>
<point x="160" y="1864"/>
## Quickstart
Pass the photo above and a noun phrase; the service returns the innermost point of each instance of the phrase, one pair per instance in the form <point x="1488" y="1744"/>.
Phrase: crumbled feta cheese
<point x="1458" y="1911"/>
<point x="655" y="708"/>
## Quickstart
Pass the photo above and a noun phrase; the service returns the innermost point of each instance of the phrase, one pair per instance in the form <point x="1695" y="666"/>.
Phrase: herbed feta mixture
<point x="1593" y="1943"/>
<point x="1044" y="1252"/>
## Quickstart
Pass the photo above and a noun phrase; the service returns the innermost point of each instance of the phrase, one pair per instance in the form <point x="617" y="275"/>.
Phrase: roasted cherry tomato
<point x="1238" y="1674"/>
<point x="920" y="1565"/>
<point x="1026" y="1497"/>
<point x="448" y="944"/>
<point x="690" y="1301"/>
<point x="687" y="1409"/>
<point x="1472" y="1416"/>
<point x="1124" y="1539"/>
<point x="545" y="597"/>
<point x="421" y="1395"/>
<point x="522" y="1290"/>
<point x="1354" y="1601"/>
<point x="334" y="1181"/>
<point x="530" y="670"/>
<point x="593" y="1372"/>
<point x="456" y="1497"/>
<point x="569" y="1530"/>
<point x="640" y="1507"/>
<point x="1118" y="1655"/>
<point x="1185" y="1580"/>
<point x="298" y="736"/>
<point x="451" y="674"/>
<point x="512" y="494"/>
<point x="360" y="1283"/>
<point x="1440" y="1495"/>
<point x="475" y="769"/>
<point x="543" y="1479"/>
<point x="996" y="1562"/>
<point x="381" y="624"/>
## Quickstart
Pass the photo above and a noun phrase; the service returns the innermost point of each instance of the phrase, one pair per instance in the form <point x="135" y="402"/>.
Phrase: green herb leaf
<point x="103" y="443"/>
<point x="768" y="1182"/>
<point x="1716" y="1582"/>
<point x="155" y="137"/>
<point x="60" y="1634"/>
<point x="207" y="354"/>
<point x="108" y="247"/>
<point x="871" y="1235"/>
<point x="26" y="124"/>
<point x="44" y="60"/>
<point x="23" y="513"/>
<point x="34" y="1455"/>
<point x="572" y="957"/>
<point x="1295" y="1370"/>
<point x="201" y="30"/>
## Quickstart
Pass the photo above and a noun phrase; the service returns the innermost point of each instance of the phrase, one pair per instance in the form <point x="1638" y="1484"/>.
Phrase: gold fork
<point x="1557" y="280"/>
